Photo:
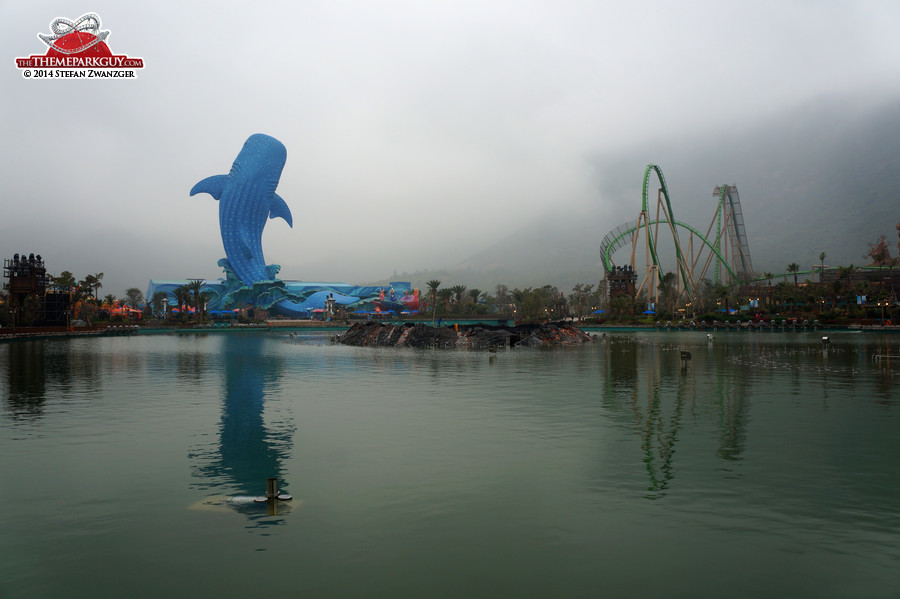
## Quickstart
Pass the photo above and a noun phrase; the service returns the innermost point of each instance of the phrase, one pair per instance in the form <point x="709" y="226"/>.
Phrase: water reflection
<point x="248" y="451"/>
<point x="650" y="381"/>
<point x="656" y="421"/>
<point x="38" y="369"/>
<point x="731" y="394"/>
<point x="682" y="412"/>
<point x="886" y="358"/>
<point x="192" y="365"/>
<point x="26" y="380"/>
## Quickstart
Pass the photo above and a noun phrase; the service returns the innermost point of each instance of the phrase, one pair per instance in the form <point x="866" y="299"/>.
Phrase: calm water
<point x="762" y="467"/>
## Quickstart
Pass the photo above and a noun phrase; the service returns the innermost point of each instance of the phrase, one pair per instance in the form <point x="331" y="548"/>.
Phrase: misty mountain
<point x="819" y="178"/>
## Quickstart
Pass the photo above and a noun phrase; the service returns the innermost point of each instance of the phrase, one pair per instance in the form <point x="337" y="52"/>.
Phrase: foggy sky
<point x="413" y="129"/>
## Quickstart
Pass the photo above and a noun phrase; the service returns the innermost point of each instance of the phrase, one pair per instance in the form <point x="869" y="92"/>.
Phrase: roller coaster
<point x="722" y="254"/>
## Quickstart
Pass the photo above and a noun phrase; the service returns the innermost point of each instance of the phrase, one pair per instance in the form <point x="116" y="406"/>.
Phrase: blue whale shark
<point x="247" y="199"/>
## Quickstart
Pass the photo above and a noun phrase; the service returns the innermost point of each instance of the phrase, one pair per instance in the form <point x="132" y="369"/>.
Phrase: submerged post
<point x="272" y="496"/>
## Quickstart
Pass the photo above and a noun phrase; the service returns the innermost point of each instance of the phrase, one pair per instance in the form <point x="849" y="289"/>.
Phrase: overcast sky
<point x="413" y="129"/>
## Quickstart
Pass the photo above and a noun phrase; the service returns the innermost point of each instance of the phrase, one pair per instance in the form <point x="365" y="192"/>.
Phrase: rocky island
<point x="475" y="336"/>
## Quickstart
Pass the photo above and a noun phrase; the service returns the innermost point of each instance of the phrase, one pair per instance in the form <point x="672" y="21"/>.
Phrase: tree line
<point x="840" y="296"/>
<point x="546" y="302"/>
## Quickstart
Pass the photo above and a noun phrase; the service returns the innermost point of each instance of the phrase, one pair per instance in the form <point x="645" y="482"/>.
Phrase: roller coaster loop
<point x="726" y="230"/>
<point x="622" y="233"/>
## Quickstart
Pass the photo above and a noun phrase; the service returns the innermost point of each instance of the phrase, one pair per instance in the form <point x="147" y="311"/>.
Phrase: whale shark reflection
<point x="247" y="450"/>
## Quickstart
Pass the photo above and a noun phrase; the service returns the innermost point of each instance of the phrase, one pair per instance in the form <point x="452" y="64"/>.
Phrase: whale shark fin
<point x="212" y="185"/>
<point x="246" y="246"/>
<point x="279" y="209"/>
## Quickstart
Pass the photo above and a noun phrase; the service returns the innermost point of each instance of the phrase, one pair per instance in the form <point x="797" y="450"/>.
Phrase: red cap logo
<point x="79" y="46"/>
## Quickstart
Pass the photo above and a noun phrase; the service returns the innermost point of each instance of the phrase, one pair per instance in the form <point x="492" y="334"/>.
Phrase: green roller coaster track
<point x="671" y="216"/>
<point x="610" y="245"/>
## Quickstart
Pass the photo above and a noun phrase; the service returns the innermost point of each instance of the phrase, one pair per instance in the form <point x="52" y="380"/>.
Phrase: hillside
<point x="819" y="178"/>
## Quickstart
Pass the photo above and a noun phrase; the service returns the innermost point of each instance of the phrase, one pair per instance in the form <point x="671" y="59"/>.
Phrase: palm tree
<point x="194" y="287"/>
<point x="78" y="299"/>
<point x="782" y="293"/>
<point x="92" y="282"/>
<point x="794" y="268"/>
<point x="182" y="298"/>
<point x="722" y="293"/>
<point x="433" y="285"/>
<point x="475" y="294"/>
<point x="135" y="296"/>
<point x="667" y="292"/>
<point x="109" y="299"/>
<point x="821" y="267"/>
<point x="445" y="295"/>
<point x="844" y="272"/>
<point x="88" y="283"/>
<point x="458" y="291"/>
<point x="621" y="307"/>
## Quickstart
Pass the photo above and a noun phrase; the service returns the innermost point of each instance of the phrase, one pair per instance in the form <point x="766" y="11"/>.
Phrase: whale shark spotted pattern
<point x="247" y="199"/>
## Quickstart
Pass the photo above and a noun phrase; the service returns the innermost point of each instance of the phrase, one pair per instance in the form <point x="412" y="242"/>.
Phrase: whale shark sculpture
<point x="247" y="199"/>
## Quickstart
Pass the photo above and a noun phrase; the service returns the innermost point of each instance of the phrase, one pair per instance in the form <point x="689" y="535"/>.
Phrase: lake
<point x="766" y="465"/>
